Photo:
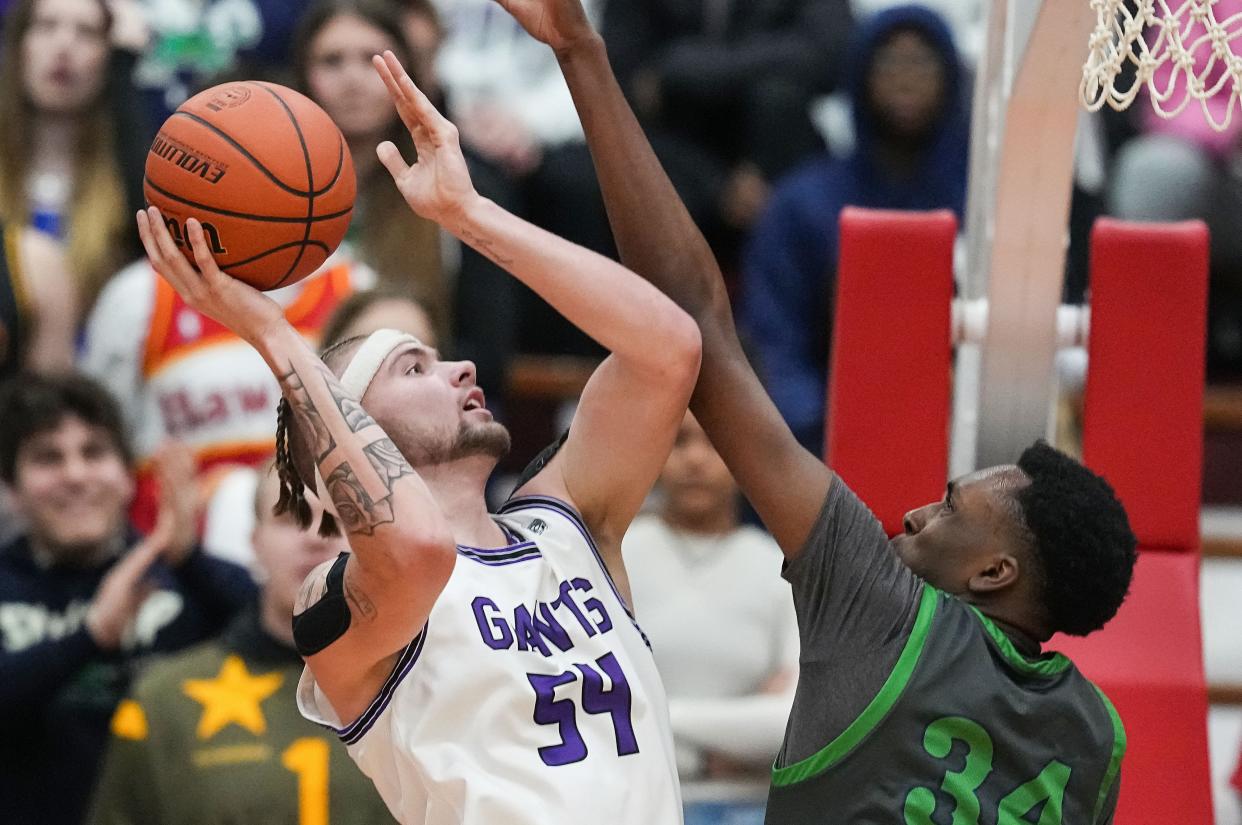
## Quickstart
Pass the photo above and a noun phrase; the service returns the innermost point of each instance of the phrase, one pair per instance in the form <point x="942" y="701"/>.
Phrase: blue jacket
<point x="58" y="689"/>
<point x="788" y="269"/>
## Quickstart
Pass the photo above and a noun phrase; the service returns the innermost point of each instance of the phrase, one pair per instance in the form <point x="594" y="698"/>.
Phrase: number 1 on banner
<point x="308" y="759"/>
<point x="615" y="702"/>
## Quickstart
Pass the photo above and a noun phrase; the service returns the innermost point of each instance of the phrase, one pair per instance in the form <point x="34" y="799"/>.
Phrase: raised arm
<point x="631" y="408"/>
<point x="403" y="548"/>
<point x="657" y="239"/>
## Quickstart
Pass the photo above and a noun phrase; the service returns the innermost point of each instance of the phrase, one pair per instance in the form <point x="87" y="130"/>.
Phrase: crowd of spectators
<point x="144" y="660"/>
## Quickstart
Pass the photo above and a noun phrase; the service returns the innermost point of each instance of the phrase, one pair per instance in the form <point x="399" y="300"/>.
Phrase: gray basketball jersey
<point x="965" y="731"/>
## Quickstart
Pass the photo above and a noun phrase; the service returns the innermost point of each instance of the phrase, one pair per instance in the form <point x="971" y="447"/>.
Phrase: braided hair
<point x="292" y="453"/>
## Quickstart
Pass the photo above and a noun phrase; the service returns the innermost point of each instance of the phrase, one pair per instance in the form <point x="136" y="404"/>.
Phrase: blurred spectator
<point x="967" y="19"/>
<point x="912" y="136"/>
<point x="1182" y="168"/>
<point x="71" y="147"/>
<point x="38" y="306"/>
<point x="38" y="303"/>
<point x="332" y="63"/>
<point x="82" y="597"/>
<point x="526" y="151"/>
<point x="709" y="594"/>
<point x="420" y="22"/>
<point x="180" y="374"/>
<point x="213" y="735"/>
<point x="365" y="312"/>
<point x="193" y="42"/>
<point x="724" y="89"/>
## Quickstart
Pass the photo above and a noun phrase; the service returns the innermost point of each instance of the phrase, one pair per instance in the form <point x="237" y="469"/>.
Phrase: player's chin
<point x="481" y="435"/>
<point x="903" y="546"/>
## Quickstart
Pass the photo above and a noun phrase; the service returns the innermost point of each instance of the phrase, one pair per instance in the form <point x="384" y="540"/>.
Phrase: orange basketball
<point x="267" y="173"/>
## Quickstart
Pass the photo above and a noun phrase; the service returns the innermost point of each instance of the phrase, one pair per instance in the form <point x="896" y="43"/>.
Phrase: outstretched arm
<point x="657" y="239"/>
<point x="403" y="546"/>
<point x="631" y="408"/>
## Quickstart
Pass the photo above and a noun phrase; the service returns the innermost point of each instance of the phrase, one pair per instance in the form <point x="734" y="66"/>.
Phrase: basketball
<point x="266" y="172"/>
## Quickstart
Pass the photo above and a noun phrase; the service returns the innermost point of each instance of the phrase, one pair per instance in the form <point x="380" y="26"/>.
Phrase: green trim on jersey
<point x="1051" y="666"/>
<point x="1119" y="750"/>
<point x="876" y="710"/>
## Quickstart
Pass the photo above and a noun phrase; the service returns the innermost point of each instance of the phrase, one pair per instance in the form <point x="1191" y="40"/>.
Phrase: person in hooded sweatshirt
<point x="912" y="126"/>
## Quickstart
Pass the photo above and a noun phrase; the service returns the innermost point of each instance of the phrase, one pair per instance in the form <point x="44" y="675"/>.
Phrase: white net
<point x="1180" y="52"/>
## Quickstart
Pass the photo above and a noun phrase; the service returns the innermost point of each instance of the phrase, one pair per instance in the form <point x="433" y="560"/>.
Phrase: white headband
<point x="358" y="376"/>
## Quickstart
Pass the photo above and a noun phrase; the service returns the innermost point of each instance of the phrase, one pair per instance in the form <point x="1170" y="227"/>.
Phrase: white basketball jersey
<point x="531" y="695"/>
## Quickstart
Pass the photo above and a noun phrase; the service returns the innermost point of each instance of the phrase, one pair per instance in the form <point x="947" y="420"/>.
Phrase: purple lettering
<point x="593" y="605"/>
<point x="567" y="600"/>
<point x="527" y="635"/>
<point x="551" y="629"/>
<point x="492" y="626"/>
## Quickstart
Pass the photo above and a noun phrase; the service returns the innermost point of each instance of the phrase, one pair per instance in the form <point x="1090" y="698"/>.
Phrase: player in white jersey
<point x="480" y="667"/>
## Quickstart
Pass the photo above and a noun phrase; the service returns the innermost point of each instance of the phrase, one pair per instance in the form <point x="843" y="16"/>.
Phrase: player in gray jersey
<point x="924" y="693"/>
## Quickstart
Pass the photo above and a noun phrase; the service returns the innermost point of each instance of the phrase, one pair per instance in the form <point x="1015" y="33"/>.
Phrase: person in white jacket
<point x="709" y="594"/>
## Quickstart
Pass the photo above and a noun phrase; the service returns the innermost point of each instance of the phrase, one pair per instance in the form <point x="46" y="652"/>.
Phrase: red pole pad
<point x="889" y="380"/>
<point x="1143" y="416"/>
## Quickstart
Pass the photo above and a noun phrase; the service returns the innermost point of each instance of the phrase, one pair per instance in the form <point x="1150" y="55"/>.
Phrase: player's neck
<point x="457" y="487"/>
<point x="1027" y="636"/>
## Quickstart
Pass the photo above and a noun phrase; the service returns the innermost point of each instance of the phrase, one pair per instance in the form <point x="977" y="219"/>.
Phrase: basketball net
<point x="1180" y="52"/>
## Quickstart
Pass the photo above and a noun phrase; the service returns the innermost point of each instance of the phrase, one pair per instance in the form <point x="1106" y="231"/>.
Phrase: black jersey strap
<point x="326" y="620"/>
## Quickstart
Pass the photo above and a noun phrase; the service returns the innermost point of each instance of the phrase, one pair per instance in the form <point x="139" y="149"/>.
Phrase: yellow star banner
<point x="234" y="696"/>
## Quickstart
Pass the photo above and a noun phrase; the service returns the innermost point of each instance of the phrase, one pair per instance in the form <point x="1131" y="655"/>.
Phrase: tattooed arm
<point x="403" y="549"/>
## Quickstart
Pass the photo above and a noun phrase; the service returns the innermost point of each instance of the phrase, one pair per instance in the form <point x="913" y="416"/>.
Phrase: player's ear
<point x="1001" y="570"/>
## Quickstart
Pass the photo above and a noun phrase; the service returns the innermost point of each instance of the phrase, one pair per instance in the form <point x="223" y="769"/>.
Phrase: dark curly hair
<point x="1081" y="537"/>
<point x="31" y="405"/>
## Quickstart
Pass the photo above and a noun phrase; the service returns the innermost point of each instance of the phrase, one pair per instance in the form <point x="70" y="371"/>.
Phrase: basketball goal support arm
<point x="657" y="238"/>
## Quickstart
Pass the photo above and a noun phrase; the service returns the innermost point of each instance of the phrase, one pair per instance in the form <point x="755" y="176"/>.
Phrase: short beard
<point x="489" y="440"/>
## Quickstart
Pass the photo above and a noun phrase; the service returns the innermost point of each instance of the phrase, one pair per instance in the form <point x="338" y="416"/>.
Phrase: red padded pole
<point x="889" y="380"/>
<point x="1143" y="431"/>
<point x="1143" y="415"/>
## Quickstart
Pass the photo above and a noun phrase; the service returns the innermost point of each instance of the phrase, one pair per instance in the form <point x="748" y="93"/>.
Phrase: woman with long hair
<point x="332" y="63"/>
<point x="68" y="162"/>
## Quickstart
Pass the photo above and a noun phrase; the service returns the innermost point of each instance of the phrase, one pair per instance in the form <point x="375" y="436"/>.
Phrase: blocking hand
<point x="559" y="23"/>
